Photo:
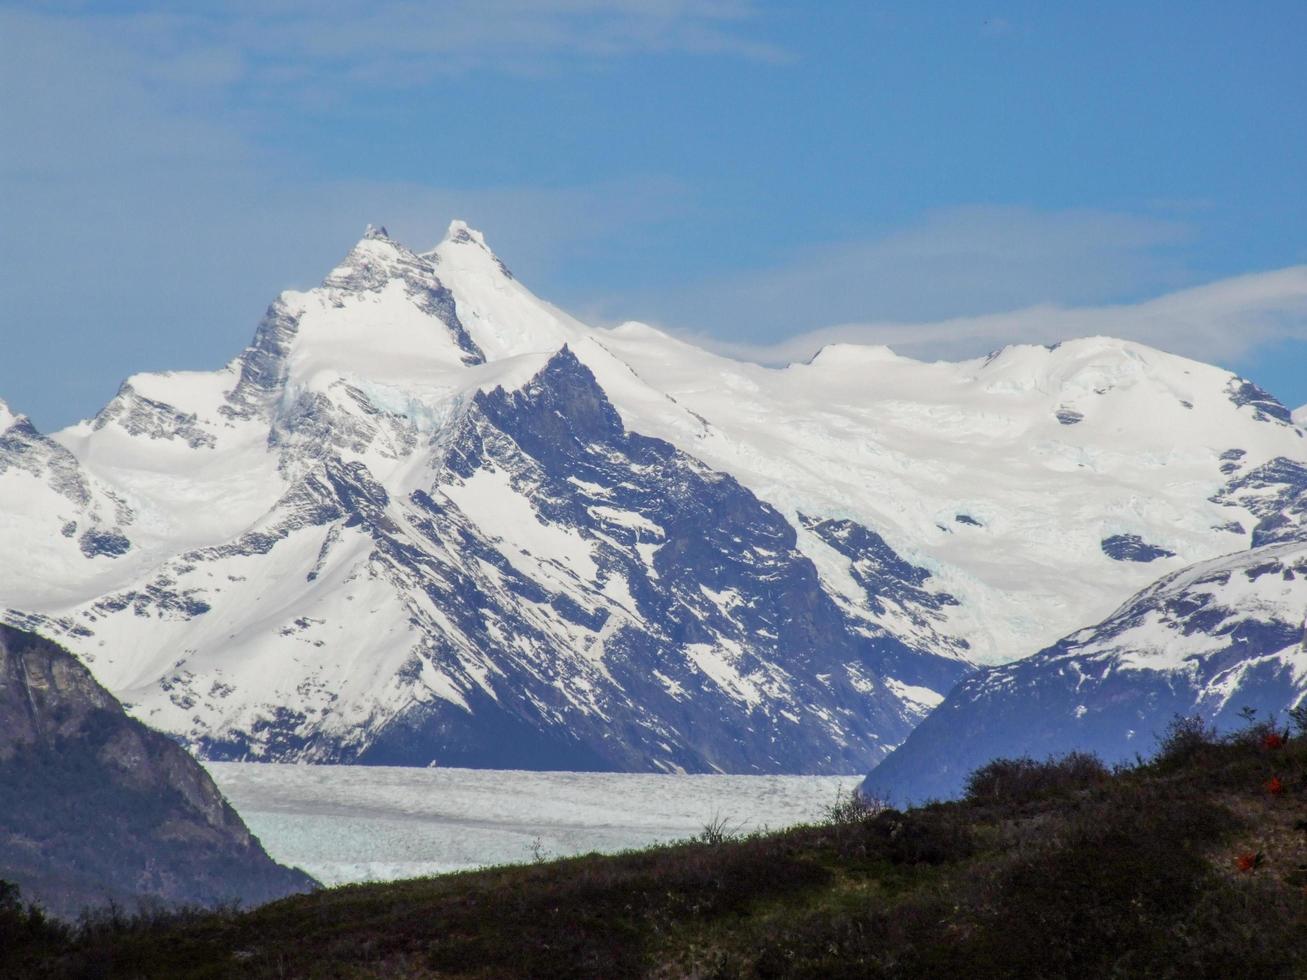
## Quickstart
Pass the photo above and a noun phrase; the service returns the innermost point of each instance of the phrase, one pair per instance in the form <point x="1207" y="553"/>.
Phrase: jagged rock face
<point x="1265" y="407"/>
<point x="703" y="593"/>
<point x="426" y="517"/>
<point x="95" y="807"/>
<point x="1212" y="640"/>
<point x="140" y="416"/>
<point x="1275" y="493"/>
<point x="646" y="612"/>
<point x="54" y="511"/>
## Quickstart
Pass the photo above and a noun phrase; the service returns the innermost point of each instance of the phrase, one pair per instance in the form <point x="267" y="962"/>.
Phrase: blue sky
<point x="761" y="176"/>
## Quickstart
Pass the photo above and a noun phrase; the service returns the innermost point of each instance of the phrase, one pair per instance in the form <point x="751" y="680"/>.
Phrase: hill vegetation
<point x="1191" y="864"/>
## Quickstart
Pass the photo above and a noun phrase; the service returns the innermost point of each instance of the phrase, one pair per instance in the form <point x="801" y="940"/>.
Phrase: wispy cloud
<point x="139" y="230"/>
<point x="303" y="44"/>
<point x="955" y="262"/>
<point x="1221" y="322"/>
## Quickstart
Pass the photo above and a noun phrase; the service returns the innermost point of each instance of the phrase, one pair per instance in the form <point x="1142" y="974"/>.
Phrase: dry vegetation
<point x="1193" y="864"/>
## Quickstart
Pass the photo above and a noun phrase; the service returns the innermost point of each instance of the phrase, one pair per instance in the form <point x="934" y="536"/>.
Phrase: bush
<point x="852" y="808"/>
<point x="1024" y="779"/>
<point x="933" y="836"/>
<point x="1298" y="718"/>
<point x="25" y="928"/>
<point x="1184" y="738"/>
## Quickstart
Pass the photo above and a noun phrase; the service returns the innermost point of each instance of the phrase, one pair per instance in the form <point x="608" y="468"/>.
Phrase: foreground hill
<point x="1217" y="639"/>
<point x="96" y="808"/>
<point x="1194" y="866"/>
<point x="427" y="517"/>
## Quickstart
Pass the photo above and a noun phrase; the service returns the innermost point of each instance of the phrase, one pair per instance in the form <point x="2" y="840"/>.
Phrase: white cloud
<point x="954" y="262"/>
<point x="1220" y="322"/>
<point x="313" y="46"/>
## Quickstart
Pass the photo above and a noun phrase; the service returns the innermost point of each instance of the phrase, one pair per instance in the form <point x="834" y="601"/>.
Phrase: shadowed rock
<point x="96" y="807"/>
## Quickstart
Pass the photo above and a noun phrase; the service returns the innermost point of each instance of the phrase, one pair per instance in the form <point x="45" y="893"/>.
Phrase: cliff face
<point x="96" y="807"/>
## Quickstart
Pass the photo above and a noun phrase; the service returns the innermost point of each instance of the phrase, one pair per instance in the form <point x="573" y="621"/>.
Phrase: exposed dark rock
<point x="1276" y="493"/>
<point x="1131" y="547"/>
<point x="139" y="415"/>
<point x="110" y="544"/>
<point x="1265" y="406"/>
<point x="96" y="807"/>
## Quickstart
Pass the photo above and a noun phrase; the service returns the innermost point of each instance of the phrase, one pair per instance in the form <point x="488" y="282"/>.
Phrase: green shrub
<point x="1184" y="739"/>
<point x="852" y="808"/>
<point x="1007" y="781"/>
<point x="25" y="928"/>
<point x="1298" y="718"/>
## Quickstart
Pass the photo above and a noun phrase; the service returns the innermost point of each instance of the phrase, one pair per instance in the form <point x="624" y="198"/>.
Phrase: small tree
<point x="1023" y="779"/>
<point x="1184" y="737"/>
<point x="1298" y="718"/>
<point x="853" y="808"/>
<point x="25" y="925"/>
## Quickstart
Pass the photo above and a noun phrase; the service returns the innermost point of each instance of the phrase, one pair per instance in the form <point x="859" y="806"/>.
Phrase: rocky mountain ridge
<point x="427" y="517"/>
<point x="1214" y="640"/>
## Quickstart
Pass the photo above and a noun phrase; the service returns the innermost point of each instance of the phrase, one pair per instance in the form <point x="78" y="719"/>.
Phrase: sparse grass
<point x="718" y="830"/>
<point x="1052" y="869"/>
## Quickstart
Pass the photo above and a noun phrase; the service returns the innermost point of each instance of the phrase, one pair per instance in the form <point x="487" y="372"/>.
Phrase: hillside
<point x="96" y="808"/>
<point x="1216" y="639"/>
<point x="1193" y="865"/>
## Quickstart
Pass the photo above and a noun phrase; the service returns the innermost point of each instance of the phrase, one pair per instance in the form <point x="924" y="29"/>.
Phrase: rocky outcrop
<point x="96" y="807"/>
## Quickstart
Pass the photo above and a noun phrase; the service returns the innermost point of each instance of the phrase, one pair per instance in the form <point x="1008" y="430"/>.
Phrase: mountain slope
<point x="95" y="807"/>
<point x="1212" y="640"/>
<point x="637" y="610"/>
<point x="426" y="516"/>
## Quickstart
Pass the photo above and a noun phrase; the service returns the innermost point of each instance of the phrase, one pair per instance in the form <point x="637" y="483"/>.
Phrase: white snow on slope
<point x="906" y="447"/>
<point x="502" y="315"/>
<point x="1267" y="585"/>
<point x="1000" y="475"/>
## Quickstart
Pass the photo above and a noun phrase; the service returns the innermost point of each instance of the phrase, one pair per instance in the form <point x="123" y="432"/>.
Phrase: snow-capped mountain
<point x="1212" y="639"/>
<point x="427" y="517"/>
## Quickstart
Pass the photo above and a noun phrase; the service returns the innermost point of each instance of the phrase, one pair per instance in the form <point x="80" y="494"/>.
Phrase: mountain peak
<point x="480" y="258"/>
<point x="376" y="231"/>
<point x="8" y="416"/>
<point x="463" y="233"/>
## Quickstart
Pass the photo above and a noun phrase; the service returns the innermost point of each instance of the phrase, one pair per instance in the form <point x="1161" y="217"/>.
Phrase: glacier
<point x="377" y="823"/>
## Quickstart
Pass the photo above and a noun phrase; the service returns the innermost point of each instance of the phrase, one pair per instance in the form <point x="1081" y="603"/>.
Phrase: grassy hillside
<point x="1193" y="865"/>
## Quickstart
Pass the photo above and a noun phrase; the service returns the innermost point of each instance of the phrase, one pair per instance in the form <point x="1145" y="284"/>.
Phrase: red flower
<point x="1275" y="787"/>
<point x="1248" y="861"/>
<point x="1273" y="740"/>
